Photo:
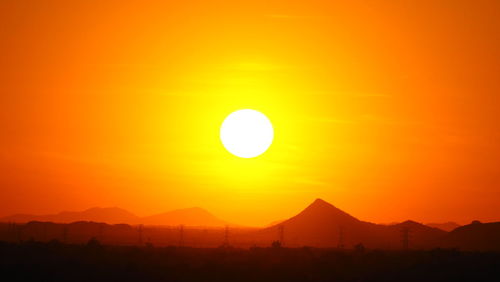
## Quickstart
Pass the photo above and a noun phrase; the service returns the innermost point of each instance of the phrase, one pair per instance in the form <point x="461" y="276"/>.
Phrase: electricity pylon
<point x="340" y="244"/>
<point x="281" y="234"/>
<point x="405" y="237"/>
<point x="181" y="235"/>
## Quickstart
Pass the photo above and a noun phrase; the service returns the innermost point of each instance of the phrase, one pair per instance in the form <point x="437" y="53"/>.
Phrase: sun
<point x="247" y="133"/>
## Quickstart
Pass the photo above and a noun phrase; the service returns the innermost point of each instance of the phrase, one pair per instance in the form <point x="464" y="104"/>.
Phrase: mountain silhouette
<point x="323" y="225"/>
<point x="108" y="215"/>
<point x="476" y="236"/>
<point x="446" y="226"/>
<point x="420" y="236"/>
<point x="190" y="216"/>
<point x="320" y="224"/>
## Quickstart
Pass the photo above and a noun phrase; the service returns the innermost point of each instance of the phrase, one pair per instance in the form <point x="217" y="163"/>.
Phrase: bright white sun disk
<point x="246" y="133"/>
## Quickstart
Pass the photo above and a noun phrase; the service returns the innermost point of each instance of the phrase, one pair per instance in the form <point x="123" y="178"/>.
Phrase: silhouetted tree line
<point x="55" y="261"/>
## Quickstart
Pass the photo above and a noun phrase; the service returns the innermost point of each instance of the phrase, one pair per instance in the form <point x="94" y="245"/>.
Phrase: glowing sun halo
<point x="246" y="133"/>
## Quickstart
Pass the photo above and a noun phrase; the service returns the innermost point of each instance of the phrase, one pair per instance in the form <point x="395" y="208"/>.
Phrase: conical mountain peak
<point x="320" y="203"/>
<point x="322" y="206"/>
<point x="320" y="213"/>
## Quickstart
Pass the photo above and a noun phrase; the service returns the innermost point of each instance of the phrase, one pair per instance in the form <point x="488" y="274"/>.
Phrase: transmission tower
<point x="140" y="230"/>
<point x="405" y="237"/>
<point x="340" y="244"/>
<point x="281" y="234"/>
<point x="12" y="231"/>
<point x="205" y="238"/>
<point x="18" y="231"/>
<point x="44" y="232"/>
<point x="226" y="236"/>
<point x="65" y="234"/>
<point x="101" y="233"/>
<point x="181" y="235"/>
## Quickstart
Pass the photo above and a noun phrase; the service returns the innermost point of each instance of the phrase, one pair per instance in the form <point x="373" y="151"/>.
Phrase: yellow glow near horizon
<point x="246" y="133"/>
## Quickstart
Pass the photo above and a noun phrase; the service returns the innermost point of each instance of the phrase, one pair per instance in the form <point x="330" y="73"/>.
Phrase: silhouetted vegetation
<point x="55" y="261"/>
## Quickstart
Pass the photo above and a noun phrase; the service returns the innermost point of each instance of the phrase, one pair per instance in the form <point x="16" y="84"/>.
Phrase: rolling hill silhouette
<point x="476" y="236"/>
<point x="319" y="225"/>
<point x="189" y="217"/>
<point x="420" y="236"/>
<point x="323" y="225"/>
<point x="108" y="215"/>
<point x="446" y="226"/>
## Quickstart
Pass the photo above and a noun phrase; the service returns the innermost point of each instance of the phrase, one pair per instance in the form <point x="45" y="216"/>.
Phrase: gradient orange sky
<point x="387" y="109"/>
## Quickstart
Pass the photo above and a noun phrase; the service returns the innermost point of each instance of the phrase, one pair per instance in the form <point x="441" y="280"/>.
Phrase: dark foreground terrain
<point x="53" y="261"/>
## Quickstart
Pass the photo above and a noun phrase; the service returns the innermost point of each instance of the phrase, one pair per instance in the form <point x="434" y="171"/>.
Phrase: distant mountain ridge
<point x="319" y="225"/>
<point x="323" y="225"/>
<point x="113" y="215"/>
<point x="446" y="226"/>
<point x="110" y="215"/>
<point x="189" y="216"/>
<point x="476" y="236"/>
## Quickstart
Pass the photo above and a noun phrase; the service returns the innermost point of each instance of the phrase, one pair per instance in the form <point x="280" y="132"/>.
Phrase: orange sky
<point x="387" y="110"/>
